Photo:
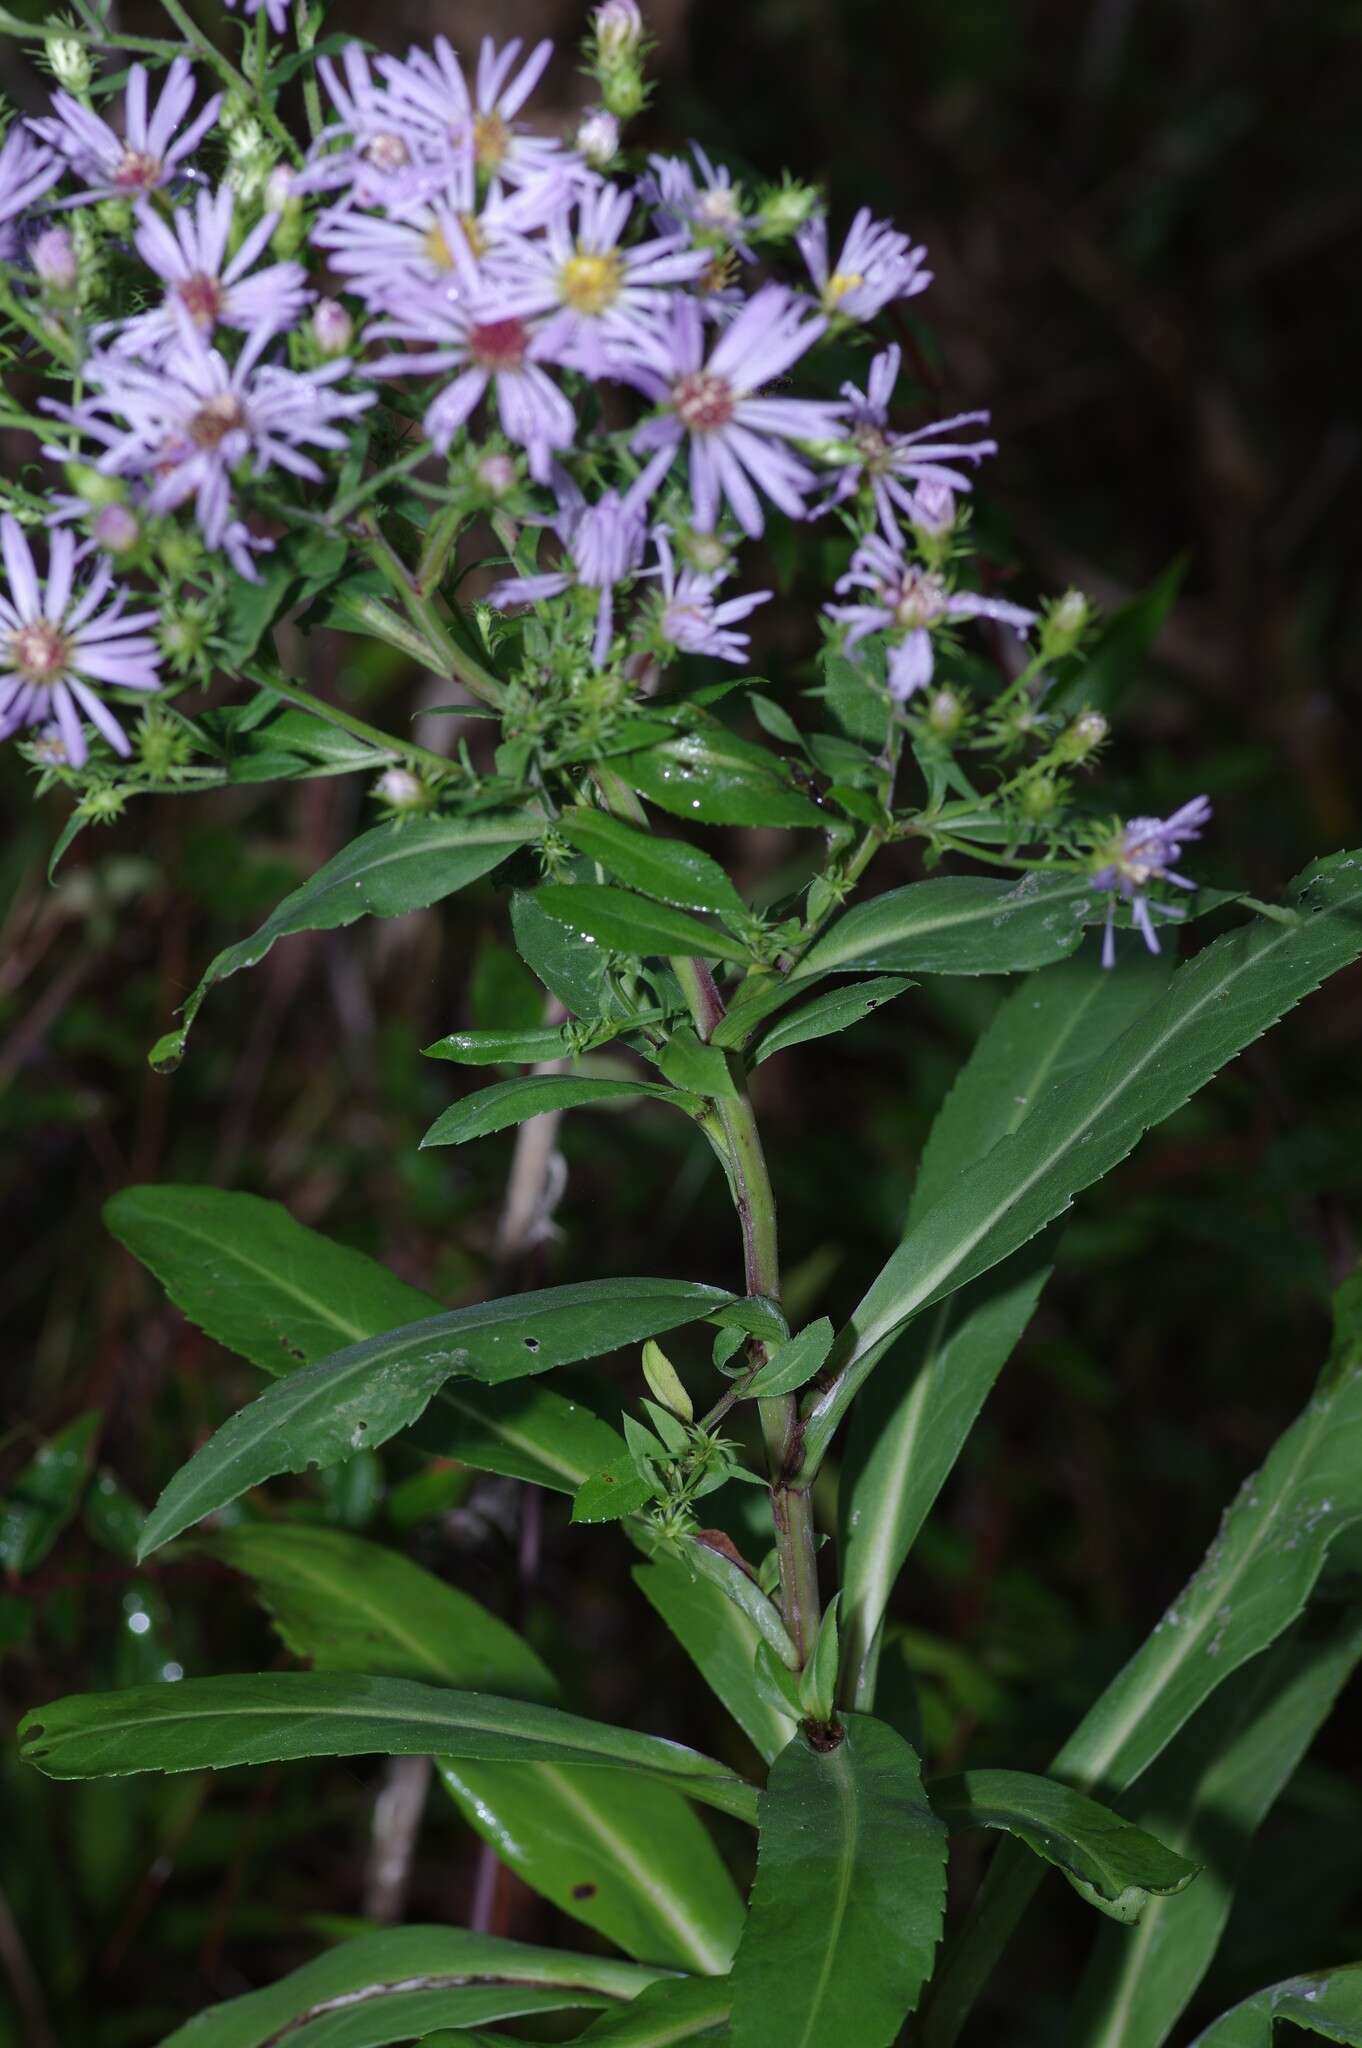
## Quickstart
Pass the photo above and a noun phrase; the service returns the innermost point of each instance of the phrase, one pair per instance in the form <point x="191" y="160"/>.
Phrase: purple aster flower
<point x="57" y="648"/>
<point x="146" y="157"/>
<point x="425" y="240"/>
<point x="376" y="160"/>
<point x="895" y="466"/>
<point x="734" y="434"/>
<point x="877" y="265"/>
<point x="429" y="99"/>
<point x="710" y="206"/>
<point x="188" y="253"/>
<point x="689" y="619"/>
<point x="276" y="10"/>
<point x="602" y="544"/>
<point x="908" y="603"/>
<point x="604" y="300"/>
<point x="484" y="336"/>
<point x="26" y="172"/>
<point x="186" y="424"/>
<point x="1141" y="853"/>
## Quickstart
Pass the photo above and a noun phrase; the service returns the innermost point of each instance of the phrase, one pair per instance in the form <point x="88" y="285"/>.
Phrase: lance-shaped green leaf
<point x="256" y="1281"/>
<point x="793" y="1364"/>
<point x="546" y="1042"/>
<point x="1328" y="2004"/>
<point x="384" y="873"/>
<point x="715" y="777"/>
<point x="912" y="1421"/>
<point x="43" y="1497"/>
<point x="512" y="1102"/>
<point x="349" y="1605"/>
<point x="359" y="1397"/>
<point x="721" y="1641"/>
<point x="1207" y="1795"/>
<point x="279" y="1716"/>
<point x="686" y="2009"/>
<point x="628" y="1857"/>
<point x="666" y="868"/>
<point x="846" y="1910"/>
<point x="284" y="1296"/>
<point x="961" y="924"/>
<point x="1110" y="1862"/>
<point x="836" y="1011"/>
<point x="1251" y="1586"/>
<point x="635" y="924"/>
<point x="375" y="1968"/>
<point x="1215" y="1005"/>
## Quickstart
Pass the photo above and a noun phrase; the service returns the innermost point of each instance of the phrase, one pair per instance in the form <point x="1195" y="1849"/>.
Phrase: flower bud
<point x="1039" y="797"/>
<point x="116" y="530"/>
<point x="182" y="634"/>
<point x="279" y="193"/>
<point x="496" y="473"/>
<point x="786" y="207"/>
<point x="933" y="507"/>
<point x="180" y="550"/>
<point x="1082" y="736"/>
<point x="332" y="328"/>
<point x="53" y="256"/>
<point x="245" y="140"/>
<point x="114" y="216"/>
<point x="664" y="1383"/>
<point x="945" y="713"/>
<point x="598" y="138"/>
<point x="618" y="28"/>
<point x="401" y="790"/>
<point x="1064" y="624"/>
<point x="93" y="485"/>
<point x="69" y="62"/>
<point x="623" y="91"/>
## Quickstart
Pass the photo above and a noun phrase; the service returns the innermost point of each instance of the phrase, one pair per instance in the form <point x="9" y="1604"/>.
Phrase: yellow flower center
<point x="839" y="284"/>
<point x="436" y="245"/>
<point x="491" y="141"/>
<point x="590" y="284"/>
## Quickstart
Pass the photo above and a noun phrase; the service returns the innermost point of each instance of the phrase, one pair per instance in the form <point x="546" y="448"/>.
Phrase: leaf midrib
<point x="825" y="956"/>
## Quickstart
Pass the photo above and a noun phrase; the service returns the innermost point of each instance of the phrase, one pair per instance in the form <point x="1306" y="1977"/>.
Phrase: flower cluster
<point x="627" y="358"/>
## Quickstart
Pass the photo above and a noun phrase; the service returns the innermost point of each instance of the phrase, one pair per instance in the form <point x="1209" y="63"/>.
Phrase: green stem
<point x="305" y="28"/>
<point x="445" y="529"/>
<point x="458" y="665"/>
<point x="382" y="742"/>
<point x="753" y="1198"/>
<point x="234" y="80"/>
<point x="362" y="492"/>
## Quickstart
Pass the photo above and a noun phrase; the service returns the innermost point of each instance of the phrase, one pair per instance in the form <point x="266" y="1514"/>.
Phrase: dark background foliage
<point x="1143" y="217"/>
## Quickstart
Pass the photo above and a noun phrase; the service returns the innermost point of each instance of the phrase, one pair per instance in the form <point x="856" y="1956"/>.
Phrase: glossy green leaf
<point x="546" y="1042"/>
<point x="850" y="1890"/>
<point x="721" y="1642"/>
<point x="688" y="1062"/>
<point x="1254" y="1581"/>
<point x="617" y="1489"/>
<point x="360" y="1396"/>
<point x="1045" y="1033"/>
<point x="666" y="868"/>
<point x="278" y="1716"/>
<point x="911" y="1422"/>
<point x="961" y="924"/>
<point x="712" y="776"/>
<point x="626" y="1856"/>
<point x="319" y="1416"/>
<point x="1214" y="1006"/>
<point x="524" y="1430"/>
<point x="836" y="1011"/>
<point x="572" y="968"/>
<point x="256" y="1281"/>
<point x="1207" y="1795"/>
<point x="629" y="923"/>
<point x="392" y="869"/>
<point x="686" y="2009"/>
<point x="1251" y="1586"/>
<point x="44" y="1496"/>
<point x="349" y="1605"/>
<point x="792" y="1365"/>
<point x="513" y="1102"/>
<point x="379" y="1968"/>
<point x="1328" y="2003"/>
<point x="1111" y="1863"/>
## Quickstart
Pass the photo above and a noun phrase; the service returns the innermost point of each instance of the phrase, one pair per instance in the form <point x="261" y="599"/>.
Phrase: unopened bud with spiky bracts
<point x="1064" y="624"/>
